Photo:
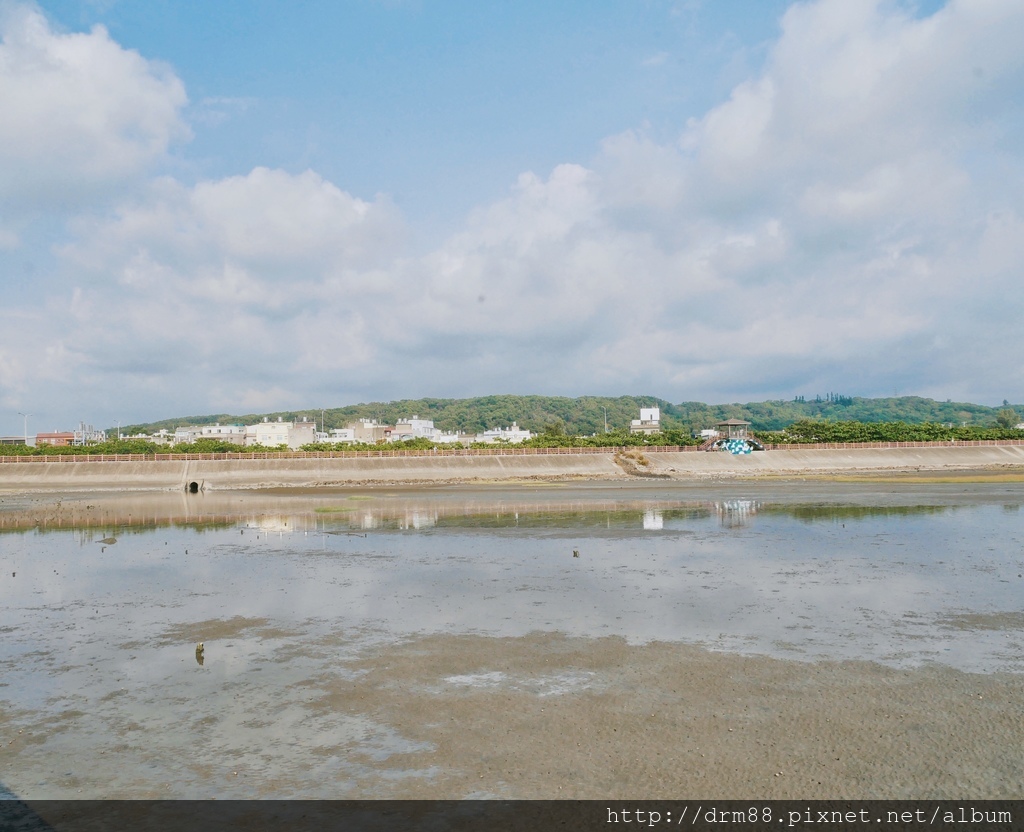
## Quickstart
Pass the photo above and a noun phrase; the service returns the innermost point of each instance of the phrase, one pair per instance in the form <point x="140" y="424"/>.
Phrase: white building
<point x="187" y="434"/>
<point x="513" y="435"/>
<point x="649" y="421"/>
<point x="338" y="436"/>
<point x="273" y="434"/>
<point x="268" y="434"/>
<point x="415" y="428"/>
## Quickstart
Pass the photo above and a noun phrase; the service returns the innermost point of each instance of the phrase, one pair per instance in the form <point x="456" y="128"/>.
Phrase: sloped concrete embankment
<point x="89" y="475"/>
<point x="297" y="473"/>
<point x="225" y="474"/>
<point x="221" y="474"/>
<point x="793" y="462"/>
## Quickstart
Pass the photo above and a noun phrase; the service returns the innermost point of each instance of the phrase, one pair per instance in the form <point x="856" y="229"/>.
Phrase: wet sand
<point x="545" y="716"/>
<point x="289" y="708"/>
<point x="550" y="717"/>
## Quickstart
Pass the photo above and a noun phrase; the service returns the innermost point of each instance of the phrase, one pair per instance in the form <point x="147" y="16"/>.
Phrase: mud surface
<point x="398" y="504"/>
<point x="793" y="640"/>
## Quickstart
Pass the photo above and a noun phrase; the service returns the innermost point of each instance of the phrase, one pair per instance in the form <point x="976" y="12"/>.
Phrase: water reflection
<point x="848" y="581"/>
<point x="285" y="591"/>
<point x="668" y="516"/>
<point x="652" y="510"/>
<point x="734" y="513"/>
<point x="653" y="520"/>
<point x="554" y="517"/>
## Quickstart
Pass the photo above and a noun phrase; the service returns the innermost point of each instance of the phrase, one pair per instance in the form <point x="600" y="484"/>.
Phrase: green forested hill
<point x="586" y="415"/>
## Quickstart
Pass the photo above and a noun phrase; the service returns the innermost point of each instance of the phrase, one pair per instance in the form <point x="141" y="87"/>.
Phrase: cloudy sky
<point x="246" y="206"/>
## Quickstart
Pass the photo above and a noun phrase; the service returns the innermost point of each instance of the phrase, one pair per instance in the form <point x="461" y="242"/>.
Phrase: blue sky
<point x="249" y="206"/>
<point x="439" y="105"/>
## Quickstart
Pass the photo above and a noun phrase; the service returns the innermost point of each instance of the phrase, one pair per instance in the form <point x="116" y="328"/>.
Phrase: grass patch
<point x="636" y="456"/>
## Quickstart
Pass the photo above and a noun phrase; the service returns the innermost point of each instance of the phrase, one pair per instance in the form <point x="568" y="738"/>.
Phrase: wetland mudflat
<point x="816" y="640"/>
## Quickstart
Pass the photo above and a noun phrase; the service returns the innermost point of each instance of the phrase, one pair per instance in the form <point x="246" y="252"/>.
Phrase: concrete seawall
<point x="797" y="461"/>
<point x="227" y="474"/>
<point x="298" y="473"/>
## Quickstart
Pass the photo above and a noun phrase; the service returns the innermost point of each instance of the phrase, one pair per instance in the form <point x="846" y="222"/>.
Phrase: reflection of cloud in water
<point x="564" y="509"/>
<point x="276" y="524"/>
<point x="565" y="516"/>
<point x="877" y="588"/>
<point x="552" y="684"/>
<point x="370" y="519"/>
<point x="492" y="679"/>
<point x="109" y="635"/>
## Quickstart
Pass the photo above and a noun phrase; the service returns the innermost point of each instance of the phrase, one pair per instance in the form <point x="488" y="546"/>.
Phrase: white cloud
<point x="250" y="278"/>
<point x="271" y="227"/>
<point x="839" y="220"/>
<point x="828" y="210"/>
<point x="80" y="113"/>
<point x="857" y="85"/>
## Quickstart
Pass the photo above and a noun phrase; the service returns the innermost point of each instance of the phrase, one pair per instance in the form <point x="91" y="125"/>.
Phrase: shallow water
<point x="97" y="639"/>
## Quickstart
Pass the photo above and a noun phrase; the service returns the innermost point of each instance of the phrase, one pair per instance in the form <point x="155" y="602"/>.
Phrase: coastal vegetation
<point x="127" y="446"/>
<point x="580" y="423"/>
<point x="812" y="431"/>
<point x="588" y="415"/>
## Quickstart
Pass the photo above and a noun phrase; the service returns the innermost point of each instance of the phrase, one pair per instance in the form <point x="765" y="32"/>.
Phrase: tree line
<point x="581" y="422"/>
<point x="813" y="431"/>
<point x="555" y="436"/>
<point x="588" y="415"/>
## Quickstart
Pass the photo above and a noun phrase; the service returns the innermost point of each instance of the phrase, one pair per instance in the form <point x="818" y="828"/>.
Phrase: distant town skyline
<point x="227" y="208"/>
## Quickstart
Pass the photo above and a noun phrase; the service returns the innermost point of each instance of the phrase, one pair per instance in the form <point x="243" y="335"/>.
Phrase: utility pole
<point x="26" y="415"/>
<point x="605" y="409"/>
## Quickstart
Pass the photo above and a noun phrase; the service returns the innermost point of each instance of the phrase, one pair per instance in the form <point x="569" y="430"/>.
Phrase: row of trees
<point x="589" y="414"/>
<point x="129" y="446"/>
<point x="808" y="431"/>
<point x="556" y="436"/>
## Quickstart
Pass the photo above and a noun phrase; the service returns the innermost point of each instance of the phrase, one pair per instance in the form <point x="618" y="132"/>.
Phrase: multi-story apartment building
<point x="415" y="428"/>
<point x="514" y="434"/>
<point x="370" y="431"/>
<point x="228" y="433"/>
<point x="273" y="434"/>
